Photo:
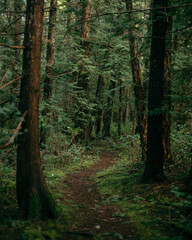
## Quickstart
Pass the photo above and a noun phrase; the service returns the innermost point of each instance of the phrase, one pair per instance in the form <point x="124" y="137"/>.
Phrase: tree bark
<point x="33" y="197"/>
<point x="137" y="81"/>
<point x="155" y="154"/>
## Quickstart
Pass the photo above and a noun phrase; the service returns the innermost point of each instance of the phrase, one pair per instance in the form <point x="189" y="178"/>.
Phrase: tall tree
<point x="109" y="109"/>
<point x="167" y="96"/>
<point x="50" y="59"/>
<point x="33" y="197"/>
<point x="155" y="154"/>
<point x="100" y="111"/>
<point x="137" y="81"/>
<point x="83" y="79"/>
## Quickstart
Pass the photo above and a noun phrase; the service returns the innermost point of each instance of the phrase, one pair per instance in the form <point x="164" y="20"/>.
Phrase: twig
<point x="15" y="133"/>
<point x="7" y="72"/>
<point x="10" y="150"/>
<point x="12" y="81"/>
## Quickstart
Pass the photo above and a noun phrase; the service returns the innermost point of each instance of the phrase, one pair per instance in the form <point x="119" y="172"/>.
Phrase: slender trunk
<point x="167" y="99"/>
<point x="189" y="182"/>
<point x="127" y="108"/>
<point x="49" y="67"/>
<point x="134" y="121"/>
<point x="108" y="110"/>
<point x="99" y="97"/>
<point x="18" y="23"/>
<point x="83" y="78"/>
<point x="120" y="117"/>
<point x="50" y="51"/>
<point x="33" y="197"/>
<point x="138" y="90"/>
<point x="155" y="154"/>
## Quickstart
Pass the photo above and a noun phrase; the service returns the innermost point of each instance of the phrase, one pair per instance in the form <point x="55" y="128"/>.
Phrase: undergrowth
<point x="157" y="211"/>
<point x="56" y="166"/>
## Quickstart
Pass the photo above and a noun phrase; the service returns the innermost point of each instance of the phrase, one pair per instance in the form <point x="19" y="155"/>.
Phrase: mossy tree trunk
<point x="33" y="197"/>
<point x="155" y="153"/>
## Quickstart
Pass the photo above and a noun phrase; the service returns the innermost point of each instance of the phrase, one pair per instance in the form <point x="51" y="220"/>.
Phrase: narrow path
<point x="94" y="219"/>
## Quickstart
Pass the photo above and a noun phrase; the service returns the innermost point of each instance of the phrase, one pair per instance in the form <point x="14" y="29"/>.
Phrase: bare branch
<point x="16" y="131"/>
<point x="12" y="81"/>
<point x="13" y="47"/>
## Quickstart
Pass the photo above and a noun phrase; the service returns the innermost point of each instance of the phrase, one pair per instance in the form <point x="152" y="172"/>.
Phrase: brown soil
<point x="94" y="219"/>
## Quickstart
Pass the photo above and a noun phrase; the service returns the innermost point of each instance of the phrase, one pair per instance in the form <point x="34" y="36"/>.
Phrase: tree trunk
<point x="189" y="182"/>
<point x="167" y="98"/>
<point x="100" y="85"/>
<point x="33" y="197"/>
<point x="49" y="67"/>
<point x="83" y="81"/>
<point x="155" y="154"/>
<point x="108" y="110"/>
<point x="120" y="117"/>
<point x="138" y="90"/>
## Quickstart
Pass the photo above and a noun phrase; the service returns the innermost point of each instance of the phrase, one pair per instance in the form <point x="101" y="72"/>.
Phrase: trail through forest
<point x="94" y="218"/>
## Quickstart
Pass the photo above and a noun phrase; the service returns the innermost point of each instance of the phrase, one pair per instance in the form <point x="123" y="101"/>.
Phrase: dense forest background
<point x="80" y="78"/>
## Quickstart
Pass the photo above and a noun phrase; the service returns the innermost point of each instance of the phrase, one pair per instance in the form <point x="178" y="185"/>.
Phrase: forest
<point x="95" y="110"/>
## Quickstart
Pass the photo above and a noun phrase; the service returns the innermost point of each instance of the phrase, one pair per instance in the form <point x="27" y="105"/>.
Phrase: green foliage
<point x="181" y="147"/>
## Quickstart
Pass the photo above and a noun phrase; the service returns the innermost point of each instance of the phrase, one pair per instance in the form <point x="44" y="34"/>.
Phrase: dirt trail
<point x="95" y="220"/>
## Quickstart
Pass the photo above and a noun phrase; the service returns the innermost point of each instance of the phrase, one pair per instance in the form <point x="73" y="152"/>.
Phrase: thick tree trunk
<point x="49" y="67"/>
<point x="33" y="197"/>
<point x="138" y="90"/>
<point x="155" y="154"/>
<point x="108" y="110"/>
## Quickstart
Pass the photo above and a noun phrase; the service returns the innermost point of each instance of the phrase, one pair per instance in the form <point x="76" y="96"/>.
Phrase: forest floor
<point x="99" y="194"/>
<point x="95" y="218"/>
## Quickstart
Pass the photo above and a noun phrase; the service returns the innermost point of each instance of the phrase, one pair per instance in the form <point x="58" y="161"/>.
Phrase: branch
<point x="13" y="64"/>
<point x="16" y="131"/>
<point x="133" y="11"/>
<point x="12" y="47"/>
<point x="12" y="81"/>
